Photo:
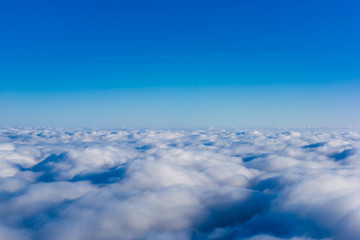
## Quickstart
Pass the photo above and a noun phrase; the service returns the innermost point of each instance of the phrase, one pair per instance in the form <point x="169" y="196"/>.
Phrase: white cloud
<point x="179" y="184"/>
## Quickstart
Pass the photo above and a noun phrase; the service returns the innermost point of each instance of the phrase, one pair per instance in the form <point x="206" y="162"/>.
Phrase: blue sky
<point x="179" y="63"/>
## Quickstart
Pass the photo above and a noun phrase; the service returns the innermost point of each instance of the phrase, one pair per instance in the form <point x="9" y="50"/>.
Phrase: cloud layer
<point x="179" y="184"/>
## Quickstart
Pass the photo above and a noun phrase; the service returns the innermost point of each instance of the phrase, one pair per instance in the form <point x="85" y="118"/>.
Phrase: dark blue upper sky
<point x="75" y="46"/>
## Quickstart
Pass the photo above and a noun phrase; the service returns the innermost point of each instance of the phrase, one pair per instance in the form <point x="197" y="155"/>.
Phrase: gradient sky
<point x="180" y="63"/>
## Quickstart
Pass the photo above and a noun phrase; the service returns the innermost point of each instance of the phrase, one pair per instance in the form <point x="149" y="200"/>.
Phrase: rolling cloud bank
<point x="179" y="184"/>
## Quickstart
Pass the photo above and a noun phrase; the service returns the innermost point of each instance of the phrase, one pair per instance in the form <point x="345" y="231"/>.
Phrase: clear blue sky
<point x="254" y="63"/>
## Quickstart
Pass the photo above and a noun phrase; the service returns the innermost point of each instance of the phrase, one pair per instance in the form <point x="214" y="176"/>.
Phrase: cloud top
<point x="179" y="184"/>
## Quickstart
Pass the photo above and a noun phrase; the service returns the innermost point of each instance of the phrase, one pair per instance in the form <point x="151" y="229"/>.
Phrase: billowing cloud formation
<point x="179" y="184"/>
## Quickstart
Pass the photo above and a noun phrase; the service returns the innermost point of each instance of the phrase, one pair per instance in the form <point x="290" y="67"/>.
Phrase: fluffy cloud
<point x="179" y="184"/>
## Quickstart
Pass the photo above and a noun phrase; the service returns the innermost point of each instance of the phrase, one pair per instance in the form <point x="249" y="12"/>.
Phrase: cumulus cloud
<point x="179" y="184"/>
